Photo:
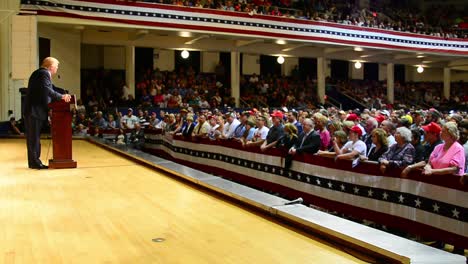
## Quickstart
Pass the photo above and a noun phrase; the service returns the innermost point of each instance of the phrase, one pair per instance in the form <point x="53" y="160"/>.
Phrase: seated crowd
<point x="182" y="89"/>
<point x="434" y="142"/>
<point x="441" y="21"/>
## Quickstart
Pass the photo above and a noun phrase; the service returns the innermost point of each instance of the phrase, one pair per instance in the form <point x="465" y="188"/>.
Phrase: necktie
<point x="303" y="139"/>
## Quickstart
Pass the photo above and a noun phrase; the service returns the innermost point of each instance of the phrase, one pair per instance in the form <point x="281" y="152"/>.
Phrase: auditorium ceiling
<point x="114" y="34"/>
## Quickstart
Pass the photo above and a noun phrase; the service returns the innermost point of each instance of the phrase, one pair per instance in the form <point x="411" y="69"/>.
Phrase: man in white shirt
<point x="253" y="78"/>
<point x="129" y="120"/>
<point x="260" y="134"/>
<point x="231" y="125"/>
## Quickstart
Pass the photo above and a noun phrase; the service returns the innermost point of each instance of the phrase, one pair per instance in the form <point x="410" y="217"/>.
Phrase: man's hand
<point x="66" y="97"/>
<point x="292" y="151"/>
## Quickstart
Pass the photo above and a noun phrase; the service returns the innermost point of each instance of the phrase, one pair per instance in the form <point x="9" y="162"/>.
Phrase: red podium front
<point x="61" y="131"/>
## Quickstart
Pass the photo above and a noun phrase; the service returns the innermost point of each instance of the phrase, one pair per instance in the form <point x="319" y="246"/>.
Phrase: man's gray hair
<point x="405" y="133"/>
<point x="373" y="121"/>
<point x="309" y="122"/>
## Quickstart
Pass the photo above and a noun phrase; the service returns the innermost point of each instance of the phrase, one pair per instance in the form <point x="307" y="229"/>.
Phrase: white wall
<point x="65" y="45"/>
<point x="429" y="74"/>
<point x="24" y="59"/>
<point x="250" y="64"/>
<point x="382" y="72"/>
<point x="92" y="56"/>
<point x="114" y="58"/>
<point x="8" y="9"/>
<point x="327" y="67"/>
<point x="5" y="66"/>
<point x="288" y="65"/>
<point x="433" y="75"/>
<point x="459" y="76"/>
<point x="25" y="47"/>
<point x="105" y="57"/>
<point x="164" y="59"/>
<point x="209" y="60"/>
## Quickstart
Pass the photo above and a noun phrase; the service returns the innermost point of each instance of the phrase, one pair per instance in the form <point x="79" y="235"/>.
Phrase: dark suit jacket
<point x="188" y="129"/>
<point x="40" y="93"/>
<point x="311" y="143"/>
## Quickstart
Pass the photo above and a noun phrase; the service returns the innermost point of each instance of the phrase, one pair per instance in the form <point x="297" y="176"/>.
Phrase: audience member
<point x="400" y="154"/>
<point x="379" y="145"/>
<point x="307" y="142"/>
<point x="202" y="128"/>
<point x="13" y="128"/>
<point x="129" y="120"/>
<point x="289" y="138"/>
<point x="275" y="132"/>
<point x="260" y="133"/>
<point x="355" y="147"/>
<point x="449" y="157"/>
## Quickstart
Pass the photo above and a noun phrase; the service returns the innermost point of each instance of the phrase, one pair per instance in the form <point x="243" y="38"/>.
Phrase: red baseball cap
<point x="356" y="130"/>
<point x="432" y="128"/>
<point x="380" y="118"/>
<point x="278" y="114"/>
<point x="352" y="117"/>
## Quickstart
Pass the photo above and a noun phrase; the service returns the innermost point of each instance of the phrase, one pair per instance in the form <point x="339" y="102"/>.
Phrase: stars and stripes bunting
<point x="235" y="23"/>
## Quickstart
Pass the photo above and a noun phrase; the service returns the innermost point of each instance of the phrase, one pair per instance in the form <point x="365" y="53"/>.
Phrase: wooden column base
<point x="62" y="164"/>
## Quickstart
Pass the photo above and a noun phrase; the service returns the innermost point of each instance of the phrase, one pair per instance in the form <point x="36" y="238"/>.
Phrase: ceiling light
<point x="280" y="59"/>
<point x="280" y="42"/>
<point x="358" y="49"/>
<point x="357" y="65"/>
<point x="184" y="54"/>
<point x="420" y="69"/>
<point x="185" y="34"/>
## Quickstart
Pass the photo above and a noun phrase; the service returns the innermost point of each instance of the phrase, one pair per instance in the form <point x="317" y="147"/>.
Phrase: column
<point x="9" y="9"/>
<point x="447" y="78"/>
<point x="235" y="76"/>
<point x="321" y="67"/>
<point x="390" y="82"/>
<point x="5" y="66"/>
<point x="130" y="68"/>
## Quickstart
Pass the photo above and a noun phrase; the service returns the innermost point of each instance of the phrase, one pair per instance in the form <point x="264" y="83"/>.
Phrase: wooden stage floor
<point x="109" y="210"/>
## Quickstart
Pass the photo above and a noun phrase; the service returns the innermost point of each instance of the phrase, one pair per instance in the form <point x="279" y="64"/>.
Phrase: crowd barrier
<point x="433" y="207"/>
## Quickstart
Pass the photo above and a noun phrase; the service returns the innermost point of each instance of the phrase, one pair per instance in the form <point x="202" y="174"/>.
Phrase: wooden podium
<point x="61" y="131"/>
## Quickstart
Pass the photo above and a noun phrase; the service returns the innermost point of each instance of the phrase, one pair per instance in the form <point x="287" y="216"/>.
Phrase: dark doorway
<point x="371" y="71"/>
<point x="225" y="59"/>
<point x="269" y="65"/>
<point x="307" y="67"/>
<point x="339" y="69"/>
<point x="143" y="62"/>
<point x="44" y="49"/>
<point x="193" y="61"/>
<point x="399" y="72"/>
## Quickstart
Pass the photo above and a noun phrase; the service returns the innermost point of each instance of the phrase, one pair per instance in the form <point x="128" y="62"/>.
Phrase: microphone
<point x="296" y="201"/>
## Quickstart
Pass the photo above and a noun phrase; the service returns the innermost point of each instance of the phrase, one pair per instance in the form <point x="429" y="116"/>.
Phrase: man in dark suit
<point x="307" y="142"/>
<point x="40" y="93"/>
